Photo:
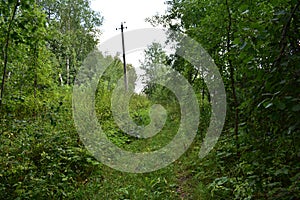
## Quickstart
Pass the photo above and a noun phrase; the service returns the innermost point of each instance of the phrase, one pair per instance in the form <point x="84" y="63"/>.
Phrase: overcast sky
<point x="134" y="13"/>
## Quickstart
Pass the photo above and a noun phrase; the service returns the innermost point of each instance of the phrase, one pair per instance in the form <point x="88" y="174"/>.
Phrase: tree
<point x="25" y="30"/>
<point x="74" y="31"/>
<point x="6" y="42"/>
<point x="154" y="60"/>
<point x="255" y="45"/>
<point x="41" y="40"/>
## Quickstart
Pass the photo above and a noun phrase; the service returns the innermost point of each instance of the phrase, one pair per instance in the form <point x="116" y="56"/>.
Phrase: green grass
<point x="44" y="158"/>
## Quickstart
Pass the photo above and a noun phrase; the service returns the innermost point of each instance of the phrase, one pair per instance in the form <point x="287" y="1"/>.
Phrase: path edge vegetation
<point x="255" y="45"/>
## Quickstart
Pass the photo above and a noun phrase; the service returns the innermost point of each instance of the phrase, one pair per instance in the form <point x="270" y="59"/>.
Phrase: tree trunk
<point x="35" y="68"/>
<point x="61" y="79"/>
<point x="232" y="80"/>
<point x="68" y="70"/>
<point x="35" y="57"/>
<point x="5" y="52"/>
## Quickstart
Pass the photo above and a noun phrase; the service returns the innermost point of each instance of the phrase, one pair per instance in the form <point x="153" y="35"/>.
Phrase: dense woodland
<point x="254" y="43"/>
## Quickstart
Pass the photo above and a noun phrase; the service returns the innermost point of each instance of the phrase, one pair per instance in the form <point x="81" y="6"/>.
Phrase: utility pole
<point x="124" y="60"/>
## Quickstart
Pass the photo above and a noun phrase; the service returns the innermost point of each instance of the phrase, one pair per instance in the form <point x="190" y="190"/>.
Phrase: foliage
<point x="43" y="158"/>
<point x="255" y="45"/>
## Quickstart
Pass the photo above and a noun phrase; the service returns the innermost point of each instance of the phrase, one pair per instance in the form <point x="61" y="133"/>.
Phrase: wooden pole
<point x="124" y="59"/>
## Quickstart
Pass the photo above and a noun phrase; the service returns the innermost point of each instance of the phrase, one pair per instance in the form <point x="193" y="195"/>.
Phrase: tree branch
<point x="5" y="51"/>
<point x="232" y="80"/>
<point x="285" y="29"/>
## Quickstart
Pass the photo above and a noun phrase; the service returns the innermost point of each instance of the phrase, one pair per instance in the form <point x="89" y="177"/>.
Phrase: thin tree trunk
<point x="61" y="79"/>
<point x="283" y="41"/>
<point x="35" y="69"/>
<point x="35" y="56"/>
<point x="232" y="80"/>
<point x="68" y="70"/>
<point x="5" y="52"/>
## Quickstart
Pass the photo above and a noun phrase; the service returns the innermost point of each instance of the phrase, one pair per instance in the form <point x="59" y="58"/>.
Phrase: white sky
<point x="134" y="13"/>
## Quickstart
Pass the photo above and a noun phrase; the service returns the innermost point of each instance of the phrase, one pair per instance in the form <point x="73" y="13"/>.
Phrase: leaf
<point x="261" y="103"/>
<point x="268" y="105"/>
<point x="65" y="179"/>
<point x="245" y="12"/>
<point x="281" y="171"/>
<point x="296" y="108"/>
<point x="280" y="105"/>
<point x="243" y="46"/>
